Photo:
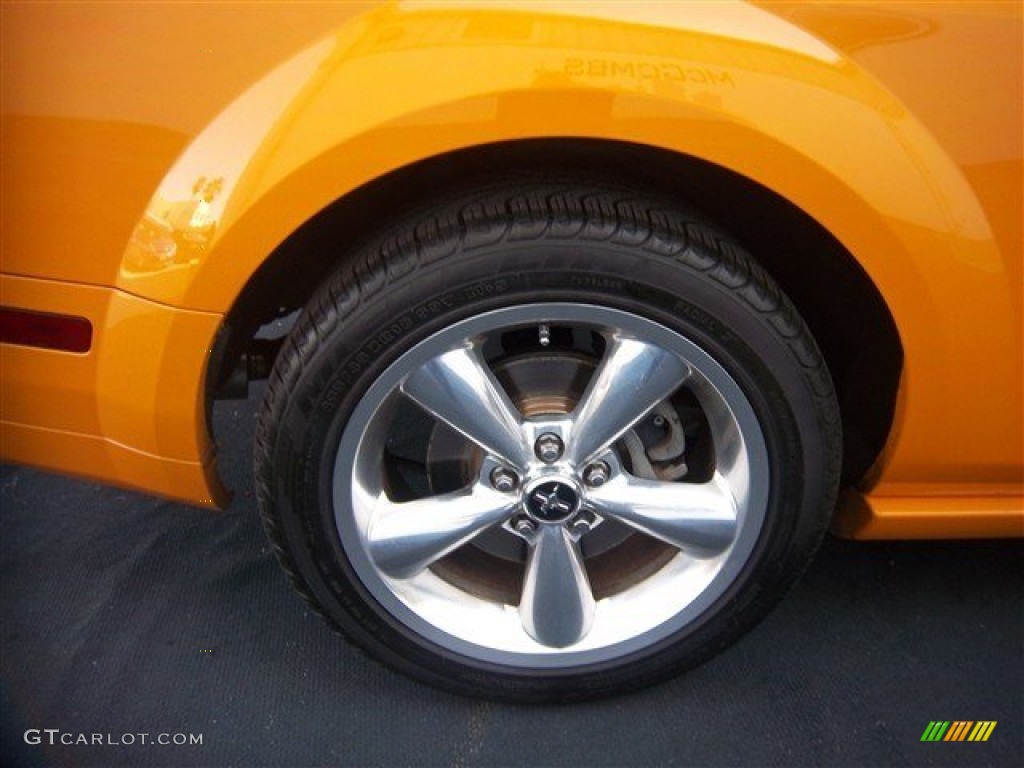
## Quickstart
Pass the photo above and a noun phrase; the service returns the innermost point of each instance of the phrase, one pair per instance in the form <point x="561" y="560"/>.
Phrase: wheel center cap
<point x="551" y="500"/>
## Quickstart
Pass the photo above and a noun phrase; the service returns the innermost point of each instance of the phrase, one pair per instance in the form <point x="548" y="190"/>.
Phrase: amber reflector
<point x="43" y="329"/>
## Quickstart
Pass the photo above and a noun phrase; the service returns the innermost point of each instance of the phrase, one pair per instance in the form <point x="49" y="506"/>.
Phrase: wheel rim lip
<point x="708" y="579"/>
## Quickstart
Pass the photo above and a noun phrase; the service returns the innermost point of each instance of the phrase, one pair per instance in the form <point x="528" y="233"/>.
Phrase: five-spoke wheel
<point x="542" y="468"/>
<point x="545" y="441"/>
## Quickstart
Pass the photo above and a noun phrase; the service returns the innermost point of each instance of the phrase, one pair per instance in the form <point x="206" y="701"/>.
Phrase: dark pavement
<point x="123" y="614"/>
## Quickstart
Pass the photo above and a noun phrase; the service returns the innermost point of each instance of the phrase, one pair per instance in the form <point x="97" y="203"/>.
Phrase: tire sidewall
<point x="746" y="342"/>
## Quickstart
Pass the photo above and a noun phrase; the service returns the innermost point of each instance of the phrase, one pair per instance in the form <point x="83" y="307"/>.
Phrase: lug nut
<point x="524" y="525"/>
<point x="549" y="447"/>
<point x="596" y="474"/>
<point x="504" y="480"/>
<point x="582" y="523"/>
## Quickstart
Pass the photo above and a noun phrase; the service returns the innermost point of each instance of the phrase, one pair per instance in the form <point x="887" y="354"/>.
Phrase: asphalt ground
<point x="123" y="614"/>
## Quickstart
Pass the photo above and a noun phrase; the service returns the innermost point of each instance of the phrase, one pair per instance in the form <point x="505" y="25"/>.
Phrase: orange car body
<point x="155" y="155"/>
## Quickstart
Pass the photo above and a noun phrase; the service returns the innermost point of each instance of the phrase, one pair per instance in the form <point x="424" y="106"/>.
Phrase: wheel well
<point x="865" y="357"/>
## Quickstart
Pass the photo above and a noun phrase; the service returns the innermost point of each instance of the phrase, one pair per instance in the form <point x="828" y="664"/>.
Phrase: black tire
<point x="574" y="242"/>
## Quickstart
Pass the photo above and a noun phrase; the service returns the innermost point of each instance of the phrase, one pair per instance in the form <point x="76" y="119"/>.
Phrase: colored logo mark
<point x="958" y="730"/>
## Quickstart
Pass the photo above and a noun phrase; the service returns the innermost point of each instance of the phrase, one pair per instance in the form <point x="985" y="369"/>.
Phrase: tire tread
<point x="524" y="212"/>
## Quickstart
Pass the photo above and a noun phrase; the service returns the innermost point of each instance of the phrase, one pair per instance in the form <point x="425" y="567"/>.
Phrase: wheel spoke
<point x="632" y="379"/>
<point x="459" y="389"/>
<point x="405" y="538"/>
<point x="699" y="519"/>
<point x="557" y="605"/>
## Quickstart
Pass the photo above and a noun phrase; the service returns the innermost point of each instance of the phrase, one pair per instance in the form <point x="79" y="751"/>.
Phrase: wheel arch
<point x="780" y="110"/>
<point x="865" y="358"/>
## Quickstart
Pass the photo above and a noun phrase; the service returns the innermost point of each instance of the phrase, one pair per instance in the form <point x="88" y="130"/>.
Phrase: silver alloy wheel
<point x="710" y="527"/>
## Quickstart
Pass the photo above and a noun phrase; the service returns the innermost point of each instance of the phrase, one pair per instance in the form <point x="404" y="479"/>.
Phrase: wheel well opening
<point x="849" y="320"/>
